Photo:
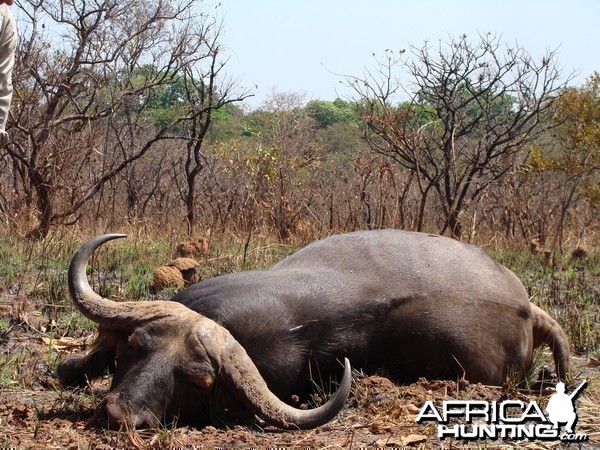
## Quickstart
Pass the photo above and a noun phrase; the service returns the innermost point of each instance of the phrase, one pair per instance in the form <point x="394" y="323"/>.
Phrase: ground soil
<point x="36" y="414"/>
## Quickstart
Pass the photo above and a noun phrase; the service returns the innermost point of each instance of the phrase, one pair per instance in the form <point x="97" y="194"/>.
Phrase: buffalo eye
<point x="204" y="380"/>
<point x="137" y="344"/>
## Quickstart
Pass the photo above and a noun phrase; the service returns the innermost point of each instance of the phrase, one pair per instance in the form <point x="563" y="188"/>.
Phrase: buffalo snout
<point x="116" y="413"/>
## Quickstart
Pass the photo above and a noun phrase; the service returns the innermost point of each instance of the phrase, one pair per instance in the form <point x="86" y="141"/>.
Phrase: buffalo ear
<point x="201" y="366"/>
<point x="78" y="370"/>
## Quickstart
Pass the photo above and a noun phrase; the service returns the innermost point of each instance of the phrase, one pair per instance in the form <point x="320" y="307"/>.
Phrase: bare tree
<point x="289" y="152"/>
<point x="206" y="89"/>
<point x="84" y="69"/>
<point x="461" y="116"/>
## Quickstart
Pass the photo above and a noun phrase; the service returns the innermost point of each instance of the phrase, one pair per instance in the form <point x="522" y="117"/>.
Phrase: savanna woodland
<point x="125" y="119"/>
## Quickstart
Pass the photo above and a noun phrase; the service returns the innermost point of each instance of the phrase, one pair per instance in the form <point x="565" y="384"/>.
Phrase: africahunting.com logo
<point x="509" y="419"/>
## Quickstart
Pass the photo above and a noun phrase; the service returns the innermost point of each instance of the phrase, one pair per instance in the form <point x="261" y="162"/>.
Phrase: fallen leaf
<point x="378" y="427"/>
<point x="413" y="439"/>
<point x="594" y="362"/>
<point x="401" y="441"/>
<point x="411" y="409"/>
<point x="63" y="342"/>
<point x="390" y="442"/>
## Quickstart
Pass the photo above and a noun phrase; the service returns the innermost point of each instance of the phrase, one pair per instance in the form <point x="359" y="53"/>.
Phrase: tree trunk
<point x="454" y="223"/>
<point x="189" y="204"/>
<point x="44" y="203"/>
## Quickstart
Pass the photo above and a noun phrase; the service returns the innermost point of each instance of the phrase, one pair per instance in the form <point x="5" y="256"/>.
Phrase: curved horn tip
<point x="334" y="405"/>
<point x="78" y="284"/>
<point x="88" y="247"/>
<point x="108" y="237"/>
<point x="84" y="253"/>
<point x="346" y="383"/>
<point x="111" y="236"/>
<point x="329" y="410"/>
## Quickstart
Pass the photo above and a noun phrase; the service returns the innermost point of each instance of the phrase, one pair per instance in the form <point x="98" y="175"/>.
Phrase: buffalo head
<point x="171" y="362"/>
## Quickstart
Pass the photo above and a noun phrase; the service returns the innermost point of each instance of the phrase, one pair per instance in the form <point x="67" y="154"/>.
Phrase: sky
<point x="308" y="46"/>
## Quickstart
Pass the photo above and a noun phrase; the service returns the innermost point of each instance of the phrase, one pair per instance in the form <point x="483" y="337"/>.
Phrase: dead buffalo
<point x="411" y="304"/>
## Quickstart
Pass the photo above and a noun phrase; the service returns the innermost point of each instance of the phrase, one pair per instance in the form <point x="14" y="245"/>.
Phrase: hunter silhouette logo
<point x="509" y="419"/>
<point x="560" y="407"/>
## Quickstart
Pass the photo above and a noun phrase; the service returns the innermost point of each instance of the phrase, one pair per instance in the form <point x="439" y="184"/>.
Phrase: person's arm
<point x="8" y="45"/>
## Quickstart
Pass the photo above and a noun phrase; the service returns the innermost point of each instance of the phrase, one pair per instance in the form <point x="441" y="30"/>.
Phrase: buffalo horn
<point x="107" y="313"/>
<point x="251" y="389"/>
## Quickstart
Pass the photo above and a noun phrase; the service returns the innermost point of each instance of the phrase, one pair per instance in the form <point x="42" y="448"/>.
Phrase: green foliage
<point x="330" y="113"/>
<point x="5" y="329"/>
<point x="161" y="104"/>
<point x="476" y="98"/>
<point x="340" y="142"/>
<point x="9" y="264"/>
<point x="227" y="123"/>
<point x="258" y="124"/>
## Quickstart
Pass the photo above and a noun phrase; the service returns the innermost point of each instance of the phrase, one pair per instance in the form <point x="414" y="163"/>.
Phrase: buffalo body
<point x="409" y="304"/>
